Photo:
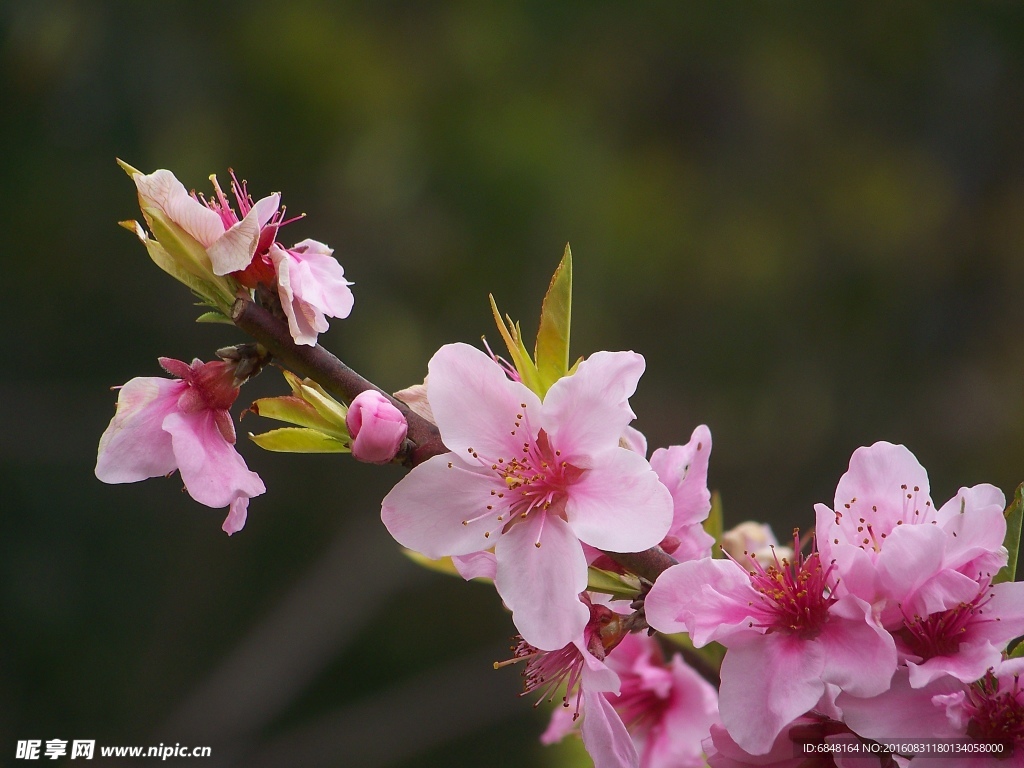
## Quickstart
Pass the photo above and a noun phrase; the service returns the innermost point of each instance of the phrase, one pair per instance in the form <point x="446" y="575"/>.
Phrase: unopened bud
<point x="750" y="540"/>
<point x="377" y="427"/>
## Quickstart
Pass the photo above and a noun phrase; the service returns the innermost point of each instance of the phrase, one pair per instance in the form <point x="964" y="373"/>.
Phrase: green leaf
<point x="551" y="351"/>
<point x="712" y="653"/>
<point x="521" y="359"/>
<point x="1018" y="648"/>
<point x="611" y="584"/>
<point x="1013" y="514"/>
<point x="214" y="317"/>
<point x="127" y="168"/>
<point x="299" y="440"/>
<point x="713" y="525"/>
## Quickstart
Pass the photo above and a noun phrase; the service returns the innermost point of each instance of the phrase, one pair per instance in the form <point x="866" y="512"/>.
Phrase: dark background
<point x="810" y="221"/>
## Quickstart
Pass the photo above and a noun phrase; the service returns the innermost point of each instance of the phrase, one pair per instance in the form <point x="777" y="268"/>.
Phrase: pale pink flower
<point x="531" y="480"/>
<point x="312" y="287"/>
<point x="376" y="426"/>
<point x="166" y="424"/>
<point x="668" y="708"/>
<point x="683" y="469"/>
<point x="230" y="241"/>
<point x="787" y="635"/>
<point x="891" y="546"/>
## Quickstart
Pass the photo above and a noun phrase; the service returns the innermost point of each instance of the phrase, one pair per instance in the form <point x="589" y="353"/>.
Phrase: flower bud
<point x="753" y="540"/>
<point x="377" y="427"/>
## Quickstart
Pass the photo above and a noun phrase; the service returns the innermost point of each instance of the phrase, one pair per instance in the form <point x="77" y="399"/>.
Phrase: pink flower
<point x="579" y="667"/>
<point x="787" y="636"/>
<point x="312" y="286"/>
<point x="891" y="546"/>
<point x="376" y="426"/>
<point x="531" y="480"/>
<point x="668" y="708"/>
<point x="684" y="471"/>
<point x="166" y="424"/>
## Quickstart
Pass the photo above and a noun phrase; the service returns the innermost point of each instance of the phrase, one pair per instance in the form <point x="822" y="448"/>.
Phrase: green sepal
<point x="608" y="583"/>
<point x="299" y="440"/>
<point x="551" y="351"/>
<point x="1018" y="648"/>
<point x="128" y="169"/>
<point x="1013" y="514"/>
<point x="521" y="359"/>
<point x="714" y="526"/>
<point x="214" y="317"/>
<point x="308" y="406"/>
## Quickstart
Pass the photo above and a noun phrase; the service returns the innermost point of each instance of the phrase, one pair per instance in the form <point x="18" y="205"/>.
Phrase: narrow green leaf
<point x="520" y="357"/>
<point x="1013" y="514"/>
<point x="127" y="168"/>
<point x="299" y="440"/>
<point x="214" y="317"/>
<point x="612" y="584"/>
<point x="295" y="410"/>
<point x="551" y="352"/>
<point x="713" y="525"/>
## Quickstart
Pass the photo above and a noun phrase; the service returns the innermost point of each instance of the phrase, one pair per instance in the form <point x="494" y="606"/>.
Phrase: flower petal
<point x="619" y="504"/>
<point x="605" y="737"/>
<point x="237" y="513"/>
<point x="427" y="510"/>
<point x="684" y="471"/>
<point x="214" y="473"/>
<point x="860" y="656"/>
<point x="887" y="480"/>
<point x="767" y="681"/>
<point x="162" y="190"/>
<point x="541" y="584"/>
<point x="477" y="406"/>
<point x="588" y="411"/>
<point x="134" y="446"/>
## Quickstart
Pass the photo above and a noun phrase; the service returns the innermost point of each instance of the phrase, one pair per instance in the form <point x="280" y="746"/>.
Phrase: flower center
<point x="795" y="594"/>
<point x="534" y="480"/>
<point x="940" y="634"/>
<point x="997" y="716"/>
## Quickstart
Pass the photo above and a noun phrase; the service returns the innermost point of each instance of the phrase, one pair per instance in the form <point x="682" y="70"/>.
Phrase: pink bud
<point x="377" y="427"/>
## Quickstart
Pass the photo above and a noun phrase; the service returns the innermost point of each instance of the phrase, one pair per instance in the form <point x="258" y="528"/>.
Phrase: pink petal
<point x="263" y="210"/>
<point x="975" y="528"/>
<point x="588" y="411"/>
<point x="604" y="735"/>
<point x="902" y="711"/>
<point x="163" y="191"/>
<point x="305" y="321"/>
<point x="476" y="565"/>
<point x="426" y="510"/>
<point x="541" y="585"/>
<point x="619" y="504"/>
<point x="134" y="446"/>
<point x="477" y="406"/>
<point x="710" y="599"/>
<point x="233" y="251"/>
<point x="213" y="471"/>
<point x="768" y="681"/>
<point x="860" y="656"/>
<point x="323" y="279"/>
<point x="876" y="478"/>
<point x="684" y="471"/>
<point x="237" y="514"/>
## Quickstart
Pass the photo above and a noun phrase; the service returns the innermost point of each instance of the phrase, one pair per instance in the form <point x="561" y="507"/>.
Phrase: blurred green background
<point x="809" y="220"/>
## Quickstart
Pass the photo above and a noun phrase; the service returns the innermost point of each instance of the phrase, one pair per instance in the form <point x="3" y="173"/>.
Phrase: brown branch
<point x="423" y="439"/>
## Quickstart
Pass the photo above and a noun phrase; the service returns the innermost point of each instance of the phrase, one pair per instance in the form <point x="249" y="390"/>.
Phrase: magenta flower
<point x="376" y="426"/>
<point x="787" y="636"/>
<point x="531" y="480"/>
<point x="312" y="287"/>
<point x="166" y="424"/>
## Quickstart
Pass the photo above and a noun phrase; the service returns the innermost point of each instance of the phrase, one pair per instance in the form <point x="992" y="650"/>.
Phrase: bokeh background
<point x="809" y="220"/>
